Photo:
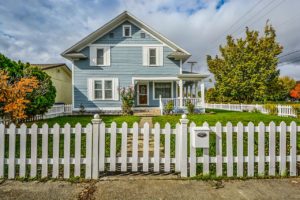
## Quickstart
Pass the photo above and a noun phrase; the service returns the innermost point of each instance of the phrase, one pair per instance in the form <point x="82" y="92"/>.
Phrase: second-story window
<point x="100" y="56"/>
<point x="126" y="31"/>
<point x="152" y="56"/>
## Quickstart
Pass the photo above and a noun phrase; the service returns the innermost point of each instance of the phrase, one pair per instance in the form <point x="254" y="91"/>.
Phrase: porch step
<point x="147" y="112"/>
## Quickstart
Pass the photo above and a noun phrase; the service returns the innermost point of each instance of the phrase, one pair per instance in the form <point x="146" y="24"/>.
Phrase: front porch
<point x="158" y="91"/>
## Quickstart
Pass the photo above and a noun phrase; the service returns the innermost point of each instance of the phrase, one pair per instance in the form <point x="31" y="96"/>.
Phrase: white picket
<point x="113" y="143"/>
<point x="282" y="149"/>
<point x="33" y="165"/>
<point x="250" y="149"/>
<point x="293" y="149"/>
<point x="156" y="147"/>
<point x="23" y="139"/>
<point x="272" y="142"/>
<point x="219" y="156"/>
<point x="167" y="147"/>
<point x="261" y="149"/>
<point x="193" y="157"/>
<point x="55" y="168"/>
<point x="177" y="148"/>
<point x="89" y="150"/>
<point x="12" y="151"/>
<point x="77" y="166"/>
<point x="2" y="149"/>
<point x="67" y="135"/>
<point x="240" y="149"/>
<point x="45" y="132"/>
<point x="229" y="151"/>
<point x="95" y="151"/>
<point x="102" y="147"/>
<point x="206" y="156"/>
<point x="135" y="138"/>
<point x="146" y="148"/>
<point x="124" y="148"/>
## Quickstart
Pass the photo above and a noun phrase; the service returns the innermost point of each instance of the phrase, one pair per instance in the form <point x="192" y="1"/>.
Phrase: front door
<point x="143" y="94"/>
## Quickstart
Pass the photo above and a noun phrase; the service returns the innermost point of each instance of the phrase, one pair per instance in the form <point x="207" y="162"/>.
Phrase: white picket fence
<point x="264" y="149"/>
<point x="282" y="110"/>
<point x="57" y="110"/>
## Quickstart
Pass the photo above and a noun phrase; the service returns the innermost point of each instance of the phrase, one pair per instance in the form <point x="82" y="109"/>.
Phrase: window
<point x="152" y="56"/>
<point x="163" y="89"/>
<point x="111" y="35"/>
<point x="108" y="89"/>
<point x="100" y="56"/>
<point x="143" y="35"/>
<point x="98" y="90"/>
<point x="126" y="31"/>
<point x="103" y="89"/>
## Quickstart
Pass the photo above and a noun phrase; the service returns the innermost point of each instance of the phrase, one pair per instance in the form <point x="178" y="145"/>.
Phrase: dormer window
<point x="126" y="30"/>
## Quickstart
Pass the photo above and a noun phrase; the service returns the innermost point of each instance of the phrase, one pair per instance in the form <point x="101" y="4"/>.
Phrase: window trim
<point x="153" y="48"/>
<point x="103" y="49"/>
<point x="103" y="89"/>
<point x="153" y="87"/>
<point x="130" y="30"/>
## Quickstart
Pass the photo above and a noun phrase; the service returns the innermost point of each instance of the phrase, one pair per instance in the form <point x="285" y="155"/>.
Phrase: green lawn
<point x="224" y="116"/>
<point x="85" y="119"/>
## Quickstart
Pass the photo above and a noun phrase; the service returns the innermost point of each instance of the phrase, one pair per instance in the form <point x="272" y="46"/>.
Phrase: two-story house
<point x="127" y="52"/>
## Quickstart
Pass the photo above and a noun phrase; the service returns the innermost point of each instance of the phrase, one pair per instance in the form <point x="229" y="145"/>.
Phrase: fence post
<point x="96" y="121"/>
<point x="161" y="106"/>
<point x="183" y="145"/>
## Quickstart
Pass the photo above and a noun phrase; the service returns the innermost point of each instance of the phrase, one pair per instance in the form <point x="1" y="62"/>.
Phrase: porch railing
<point x="176" y="102"/>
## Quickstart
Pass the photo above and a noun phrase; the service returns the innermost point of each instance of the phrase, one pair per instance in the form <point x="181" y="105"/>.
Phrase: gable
<point x="125" y="17"/>
<point x="119" y="39"/>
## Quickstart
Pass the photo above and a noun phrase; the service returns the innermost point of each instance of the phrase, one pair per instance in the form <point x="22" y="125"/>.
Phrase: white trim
<point x="153" y="88"/>
<point x="73" y="98"/>
<point x="170" y="78"/>
<point x="127" y="45"/>
<point x="94" y="56"/>
<point x="123" y="30"/>
<point x="138" y="95"/>
<point x="156" y="56"/>
<point x="116" y="22"/>
<point x="91" y="90"/>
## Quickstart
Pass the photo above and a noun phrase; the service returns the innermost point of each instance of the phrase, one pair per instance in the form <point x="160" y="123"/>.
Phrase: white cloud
<point x="38" y="31"/>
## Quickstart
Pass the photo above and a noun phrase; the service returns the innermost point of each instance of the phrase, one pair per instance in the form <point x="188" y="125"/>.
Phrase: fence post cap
<point x="184" y="119"/>
<point x="96" y="119"/>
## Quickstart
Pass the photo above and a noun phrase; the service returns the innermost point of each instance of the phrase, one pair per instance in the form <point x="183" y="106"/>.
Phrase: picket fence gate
<point x="234" y="150"/>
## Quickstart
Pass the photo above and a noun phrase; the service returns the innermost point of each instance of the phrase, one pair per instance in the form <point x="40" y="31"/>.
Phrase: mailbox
<point x="200" y="137"/>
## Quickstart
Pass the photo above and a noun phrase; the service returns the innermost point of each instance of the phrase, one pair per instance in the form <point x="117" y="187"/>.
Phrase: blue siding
<point x="126" y="62"/>
<point x="134" y="39"/>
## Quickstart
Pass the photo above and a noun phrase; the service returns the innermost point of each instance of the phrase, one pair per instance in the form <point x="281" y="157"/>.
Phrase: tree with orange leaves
<point x="13" y="96"/>
<point x="295" y="93"/>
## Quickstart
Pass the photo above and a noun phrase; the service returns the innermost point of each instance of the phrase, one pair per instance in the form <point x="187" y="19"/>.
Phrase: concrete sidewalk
<point x="154" y="189"/>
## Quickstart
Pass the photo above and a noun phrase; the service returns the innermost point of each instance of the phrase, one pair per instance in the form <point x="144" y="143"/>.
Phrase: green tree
<point x="246" y="70"/>
<point x="40" y="99"/>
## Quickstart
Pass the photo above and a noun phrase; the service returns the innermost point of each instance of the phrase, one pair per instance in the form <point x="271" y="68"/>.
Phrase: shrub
<point x="127" y="97"/>
<point x="255" y="110"/>
<point x="169" y="107"/>
<point x="190" y="106"/>
<point x="272" y="108"/>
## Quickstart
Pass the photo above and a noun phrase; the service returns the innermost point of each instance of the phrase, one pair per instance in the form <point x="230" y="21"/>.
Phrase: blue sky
<point x="38" y="31"/>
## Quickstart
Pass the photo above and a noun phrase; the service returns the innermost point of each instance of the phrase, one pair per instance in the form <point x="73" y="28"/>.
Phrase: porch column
<point x="196" y="89"/>
<point x="180" y="93"/>
<point x="202" y="93"/>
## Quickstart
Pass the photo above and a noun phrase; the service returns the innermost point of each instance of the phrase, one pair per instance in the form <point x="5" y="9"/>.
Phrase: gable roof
<point x="125" y="16"/>
<point x="53" y="65"/>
